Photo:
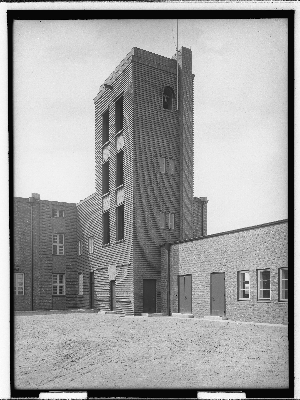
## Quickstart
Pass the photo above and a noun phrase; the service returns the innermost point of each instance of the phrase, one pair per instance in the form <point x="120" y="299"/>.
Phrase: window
<point x="58" y="284"/>
<point x="264" y="287"/>
<point x="91" y="245"/>
<point x="162" y="165"/>
<point x="106" y="233"/>
<point x="105" y="177"/>
<point x="162" y="220"/>
<point x="18" y="284"/>
<point x="171" y="166"/>
<point x="171" y="220"/>
<point x="168" y="97"/>
<point x="58" y="246"/>
<point x="243" y="285"/>
<point x="120" y="222"/>
<point x="119" y="114"/>
<point x="57" y="213"/>
<point x="80" y="284"/>
<point x="120" y="172"/>
<point x="105" y="127"/>
<point x="283" y="284"/>
<point x="79" y="247"/>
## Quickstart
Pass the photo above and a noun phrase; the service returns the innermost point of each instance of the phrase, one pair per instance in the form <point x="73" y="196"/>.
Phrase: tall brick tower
<point x="144" y="179"/>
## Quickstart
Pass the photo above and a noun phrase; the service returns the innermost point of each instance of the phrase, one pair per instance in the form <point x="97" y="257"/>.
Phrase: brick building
<point x="114" y="257"/>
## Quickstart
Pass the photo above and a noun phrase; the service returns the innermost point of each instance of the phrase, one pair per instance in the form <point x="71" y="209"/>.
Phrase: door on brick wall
<point x="149" y="295"/>
<point x="185" y="294"/>
<point x="217" y="293"/>
<point x="113" y="295"/>
<point x="91" y="289"/>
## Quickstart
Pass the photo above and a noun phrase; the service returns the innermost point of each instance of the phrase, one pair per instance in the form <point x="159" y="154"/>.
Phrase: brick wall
<point x="264" y="246"/>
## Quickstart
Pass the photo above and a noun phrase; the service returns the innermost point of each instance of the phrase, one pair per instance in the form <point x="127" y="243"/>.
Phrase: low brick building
<point x="240" y="274"/>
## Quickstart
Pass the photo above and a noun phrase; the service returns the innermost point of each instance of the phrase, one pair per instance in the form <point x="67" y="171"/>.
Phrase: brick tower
<point x="144" y="180"/>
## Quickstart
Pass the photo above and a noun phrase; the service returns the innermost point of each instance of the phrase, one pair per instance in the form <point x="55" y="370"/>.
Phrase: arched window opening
<point x="168" y="98"/>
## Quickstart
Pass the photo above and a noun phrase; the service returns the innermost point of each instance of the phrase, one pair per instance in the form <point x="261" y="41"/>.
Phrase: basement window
<point x="105" y="224"/>
<point x="57" y="213"/>
<point x="120" y="222"/>
<point x="120" y="169"/>
<point x="105" y="127"/>
<point x="168" y="98"/>
<point x="264" y="284"/>
<point x="19" y="284"/>
<point x="243" y="285"/>
<point x="119" y="114"/>
<point x="283" y="284"/>
<point x="105" y="177"/>
<point x="58" y="244"/>
<point x="59" y="284"/>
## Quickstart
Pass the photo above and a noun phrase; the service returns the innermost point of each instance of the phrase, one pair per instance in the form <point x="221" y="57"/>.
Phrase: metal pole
<point x="31" y="223"/>
<point x="177" y="64"/>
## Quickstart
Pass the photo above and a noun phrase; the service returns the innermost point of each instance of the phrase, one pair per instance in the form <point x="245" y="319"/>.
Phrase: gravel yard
<point x="94" y="351"/>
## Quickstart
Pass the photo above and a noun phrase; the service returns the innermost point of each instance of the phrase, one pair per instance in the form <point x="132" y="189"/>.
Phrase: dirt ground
<point x="94" y="351"/>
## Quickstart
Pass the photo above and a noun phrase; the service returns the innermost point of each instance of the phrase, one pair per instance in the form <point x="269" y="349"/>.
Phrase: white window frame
<point x="56" y="213"/>
<point x="58" y="284"/>
<point x="260" y="289"/>
<point x="79" y="247"/>
<point x="171" y="221"/>
<point x="58" y="244"/>
<point x="281" y="284"/>
<point x="91" y="244"/>
<point x="18" y="288"/>
<point x="241" y="285"/>
<point x="80" y="284"/>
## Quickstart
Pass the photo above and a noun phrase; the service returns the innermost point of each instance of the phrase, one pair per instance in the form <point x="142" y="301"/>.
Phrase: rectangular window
<point x="79" y="247"/>
<point x="106" y="232"/>
<point x="80" y="284"/>
<point x="283" y="284"/>
<point x="171" y="166"/>
<point x="171" y="220"/>
<point x="19" y="284"/>
<point x="120" y="222"/>
<point x="120" y="172"/>
<point x="91" y="245"/>
<point x="162" y="220"/>
<point x="105" y="127"/>
<point x="243" y="285"/>
<point x="58" y="244"/>
<point x="263" y="283"/>
<point x="57" y="213"/>
<point x="119" y="114"/>
<point x="105" y="177"/>
<point x="162" y="165"/>
<point x="59" y="284"/>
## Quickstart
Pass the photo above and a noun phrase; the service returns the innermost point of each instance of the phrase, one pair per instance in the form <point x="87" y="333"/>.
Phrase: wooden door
<point x="217" y="293"/>
<point x="113" y="295"/>
<point x="149" y="295"/>
<point x="91" y="289"/>
<point x="185" y="294"/>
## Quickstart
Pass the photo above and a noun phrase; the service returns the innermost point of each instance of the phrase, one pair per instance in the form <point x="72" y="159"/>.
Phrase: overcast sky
<point x="240" y="108"/>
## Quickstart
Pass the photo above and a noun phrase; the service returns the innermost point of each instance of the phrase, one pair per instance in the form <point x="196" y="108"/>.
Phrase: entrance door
<point x="185" y="294"/>
<point x="149" y="295"/>
<point x="217" y="293"/>
<point x="92" y="289"/>
<point x="112" y="295"/>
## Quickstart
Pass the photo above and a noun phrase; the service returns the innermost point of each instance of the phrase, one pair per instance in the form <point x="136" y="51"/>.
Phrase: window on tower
<point x="106" y="232"/>
<point x="120" y="222"/>
<point x="168" y="98"/>
<point x="120" y="171"/>
<point x="119" y="114"/>
<point x="105" y="127"/>
<point x="105" y="177"/>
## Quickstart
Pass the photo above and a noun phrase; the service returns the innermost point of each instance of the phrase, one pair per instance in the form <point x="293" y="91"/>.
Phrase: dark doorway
<point x="217" y="293"/>
<point x="91" y="289"/>
<point x="112" y="295"/>
<point x="185" y="294"/>
<point x="149" y="295"/>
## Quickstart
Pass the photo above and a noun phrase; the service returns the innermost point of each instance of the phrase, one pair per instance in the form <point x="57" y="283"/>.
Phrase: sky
<point x="240" y="108"/>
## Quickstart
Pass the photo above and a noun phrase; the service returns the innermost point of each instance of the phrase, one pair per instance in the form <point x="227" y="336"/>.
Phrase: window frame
<point x="162" y="220"/>
<point x="56" y="213"/>
<point x="171" y="168"/>
<point x="57" y="284"/>
<point x="119" y="113"/>
<point x="91" y="244"/>
<point x="79" y="247"/>
<point x="120" y="168"/>
<point x="16" y="286"/>
<point x="80" y="284"/>
<point x="240" y="282"/>
<point x="105" y="127"/>
<point x="120" y="232"/>
<point x="259" y="272"/>
<point x="280" y="281"/>
<point x="170" y="96"/>
<point x="171" y="221"/>
<point x="60" y="246"/>
<point x="105" y="178"/>
<point x="162" y="165"/>
<point x="105" y="225"/>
